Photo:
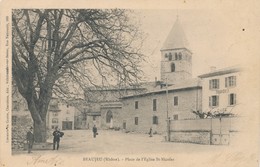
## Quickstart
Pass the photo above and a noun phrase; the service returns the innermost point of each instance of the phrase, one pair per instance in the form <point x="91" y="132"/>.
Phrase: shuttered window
<point x="213" y="101"/>
<point x="230" y="81"/>
<point x="154" y="104"/>
<point x="232" y="99"/>
<point x="214" y="84"/>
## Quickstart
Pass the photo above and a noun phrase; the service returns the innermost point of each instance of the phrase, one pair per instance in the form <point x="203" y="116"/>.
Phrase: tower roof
<point x="176" y="38"/>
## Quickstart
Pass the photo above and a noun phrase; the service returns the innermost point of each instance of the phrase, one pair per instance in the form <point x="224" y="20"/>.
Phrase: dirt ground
<point x="115" y="148"/>
<point x="117" y="142"/>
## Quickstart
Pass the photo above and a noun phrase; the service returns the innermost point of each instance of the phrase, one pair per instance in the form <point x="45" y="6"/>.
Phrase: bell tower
<point x="176" y="58"/>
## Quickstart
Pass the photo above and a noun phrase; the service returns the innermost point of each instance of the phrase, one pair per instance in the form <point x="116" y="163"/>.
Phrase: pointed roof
<point x="176" y="38"/>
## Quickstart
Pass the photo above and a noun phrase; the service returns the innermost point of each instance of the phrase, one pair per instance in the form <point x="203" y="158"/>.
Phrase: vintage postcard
<point x="129" y="83"/>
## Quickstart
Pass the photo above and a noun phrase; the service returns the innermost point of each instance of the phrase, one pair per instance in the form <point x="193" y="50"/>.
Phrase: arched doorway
<point x="109" y="119"/>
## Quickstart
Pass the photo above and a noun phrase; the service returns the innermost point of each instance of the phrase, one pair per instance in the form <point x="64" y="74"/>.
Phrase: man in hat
<point x="56" y="137"/>
<point x="30" y="139"/>
<point x="94" y="130"/>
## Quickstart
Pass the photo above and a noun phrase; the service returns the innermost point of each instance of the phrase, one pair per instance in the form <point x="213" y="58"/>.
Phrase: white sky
<point x="216" y="38"/>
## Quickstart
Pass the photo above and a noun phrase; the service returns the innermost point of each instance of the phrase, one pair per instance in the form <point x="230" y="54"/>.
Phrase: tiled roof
<point x="184" y="85"/>
<point x="221" y="72"/>
<point x="176" y="38"/>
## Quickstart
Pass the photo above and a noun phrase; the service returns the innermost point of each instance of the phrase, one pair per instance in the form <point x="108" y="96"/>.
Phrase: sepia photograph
<point x="125" y="86"/>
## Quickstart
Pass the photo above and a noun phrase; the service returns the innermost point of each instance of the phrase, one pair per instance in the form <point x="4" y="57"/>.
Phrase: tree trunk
<point x="40" y="131"/>
<point x="39" y="113"/>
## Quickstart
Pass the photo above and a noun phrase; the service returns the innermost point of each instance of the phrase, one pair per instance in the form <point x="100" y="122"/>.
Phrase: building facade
<point x="60" y="114"/>
<point x="149" y="105"/>
<point x="143" y="111"/>
<point x="104" y="106"/>
<point x="221" y="90"/>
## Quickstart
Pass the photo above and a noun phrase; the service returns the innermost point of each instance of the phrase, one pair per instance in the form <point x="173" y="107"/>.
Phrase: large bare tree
<point x="55" y="52"/>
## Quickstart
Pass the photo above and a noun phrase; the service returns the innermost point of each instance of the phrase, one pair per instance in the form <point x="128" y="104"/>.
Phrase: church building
<point x="176" y="99"/>
<point x="176" y="58"/>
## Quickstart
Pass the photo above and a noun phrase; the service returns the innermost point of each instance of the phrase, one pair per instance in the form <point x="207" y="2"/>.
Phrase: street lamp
<point x="167" y="112"/>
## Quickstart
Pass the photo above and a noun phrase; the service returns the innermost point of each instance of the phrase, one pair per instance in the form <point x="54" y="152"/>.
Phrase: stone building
<point x="104" y="106"/>
<point x="176" y="57"/>
<point x="61" y="114"/>
<point x="143" y="111"/>
<point x="177" y="98"/>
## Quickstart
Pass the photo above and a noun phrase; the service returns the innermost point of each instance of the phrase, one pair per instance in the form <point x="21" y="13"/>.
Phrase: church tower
<point x="176" y="58"/>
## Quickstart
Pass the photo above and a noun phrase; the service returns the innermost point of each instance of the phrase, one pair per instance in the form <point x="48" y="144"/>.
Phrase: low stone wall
<point x="19" y="131"/>
<point x="199" y="137"/>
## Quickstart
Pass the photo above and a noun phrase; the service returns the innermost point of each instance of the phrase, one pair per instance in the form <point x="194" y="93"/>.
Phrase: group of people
<point x="57" y="134"/>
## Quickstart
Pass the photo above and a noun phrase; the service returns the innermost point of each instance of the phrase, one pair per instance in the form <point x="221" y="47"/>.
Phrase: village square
<point x="174" y="110"/>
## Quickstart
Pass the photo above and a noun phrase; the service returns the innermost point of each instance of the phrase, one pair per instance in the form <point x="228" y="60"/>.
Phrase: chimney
<point x="213" y="68"/>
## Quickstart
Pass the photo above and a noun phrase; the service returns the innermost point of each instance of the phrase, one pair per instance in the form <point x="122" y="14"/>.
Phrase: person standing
<point x="151" y="132"/>
<point x="56" y="138"/>
<point x="94" y="131"/>
<point x="30" y="139"/>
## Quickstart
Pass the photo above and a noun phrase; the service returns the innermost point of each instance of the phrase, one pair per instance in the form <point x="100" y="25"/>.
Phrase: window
<point x="166" y="56"/>
<point x="155" y="120"/>
<point x="136" y="104"/>
<point x="232" y="99"/>
<point x="154" y="105"/>
<point x="214" y="84"/>
<point x="213" y="101"/>
<point x="180" y="56"/>
<point x="136" y="120"/>
<point x="94" y="118"/>
<point x="172" y="67"/>
<point x="170" y="57"/>
<point x="54" y="120"/>
<point x="175" y="117"/>
<point x="175" y="100"/>
<point x="176" y="56"/>
<point x="109" y="116"/>
<point x="230" y="81"/>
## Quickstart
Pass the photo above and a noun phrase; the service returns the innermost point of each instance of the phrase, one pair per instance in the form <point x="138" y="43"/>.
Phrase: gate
<point x="220" y="128"/>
